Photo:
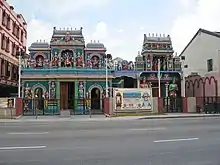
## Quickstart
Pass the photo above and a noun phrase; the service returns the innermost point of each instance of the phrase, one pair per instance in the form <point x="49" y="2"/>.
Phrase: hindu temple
<point x="67" y="70"/>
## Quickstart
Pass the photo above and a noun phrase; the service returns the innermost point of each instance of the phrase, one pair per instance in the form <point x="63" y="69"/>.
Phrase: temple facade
<point x="67" y="72"/>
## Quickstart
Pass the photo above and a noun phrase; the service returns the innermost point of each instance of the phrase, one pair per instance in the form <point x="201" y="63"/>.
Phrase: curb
<point x="176" y="117"/>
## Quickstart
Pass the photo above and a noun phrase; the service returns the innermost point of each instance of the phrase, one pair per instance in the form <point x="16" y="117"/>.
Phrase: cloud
<point x="101" y="31"/>
<point x="38" y="30"/>
<point x="68" y="7"/>
<point x="203" y="14"/>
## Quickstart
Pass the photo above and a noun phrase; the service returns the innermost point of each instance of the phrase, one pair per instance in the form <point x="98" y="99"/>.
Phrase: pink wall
<point x="197" y="86"/>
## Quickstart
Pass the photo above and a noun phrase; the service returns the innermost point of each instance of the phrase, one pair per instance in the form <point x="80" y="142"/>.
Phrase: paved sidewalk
<point x="103" y="118"/>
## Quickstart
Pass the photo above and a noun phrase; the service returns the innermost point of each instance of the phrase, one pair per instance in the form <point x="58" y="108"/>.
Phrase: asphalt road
<point x="138" y="142"/>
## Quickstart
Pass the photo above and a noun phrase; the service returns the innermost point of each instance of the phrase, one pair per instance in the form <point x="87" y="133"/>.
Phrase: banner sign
<point x="7" y="103"/>
<point x="133" y="99"/>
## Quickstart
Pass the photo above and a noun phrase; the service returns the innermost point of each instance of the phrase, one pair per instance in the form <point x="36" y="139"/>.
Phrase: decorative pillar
<point x="167" y="85"/>
<point x="150" y="84"/>
<point x="0" y="66"/>
<point x="22" y="89"/>
<point x="49" y="88"/>
<point x="60" y="58"/>
<point x="138" y="83"/>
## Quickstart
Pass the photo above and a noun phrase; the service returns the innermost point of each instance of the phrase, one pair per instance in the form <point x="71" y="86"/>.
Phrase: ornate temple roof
<point x="157" y="43"/>
<point x="157" y="38"/>
<point x="95" y="45"/>
<point x="62" y="32"/>
<point x="39" y="45"/>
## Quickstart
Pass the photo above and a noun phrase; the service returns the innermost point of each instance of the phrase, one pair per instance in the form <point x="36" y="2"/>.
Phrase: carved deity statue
<point x="27" y="92"/>
<point x="148" y="62"/>
<point x="67" y="37"/>
<point x="79" y="60"/>
<point x="173" y="88"/>
<point x="39" y="62"/>
<point x="144" y="83"/>
<point x="55" y="60"/>
<point x="155" y="65"/>
<point x="52" y="90"/>
<point x="95" y="62"/>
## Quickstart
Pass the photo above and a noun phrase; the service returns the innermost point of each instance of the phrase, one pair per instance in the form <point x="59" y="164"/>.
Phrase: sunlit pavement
<point x="113" y="142"/>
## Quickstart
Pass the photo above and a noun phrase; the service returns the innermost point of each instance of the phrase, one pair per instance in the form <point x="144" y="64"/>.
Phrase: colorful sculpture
<point x="173" y="88"/>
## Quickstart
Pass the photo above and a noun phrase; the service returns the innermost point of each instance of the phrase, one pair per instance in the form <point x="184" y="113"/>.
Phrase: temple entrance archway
<point x="95" y="99"/>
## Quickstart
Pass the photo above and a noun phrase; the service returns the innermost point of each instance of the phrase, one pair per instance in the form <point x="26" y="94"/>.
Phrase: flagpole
<point x="106" y="77"/>
<point x="19" y="75"/>
<point x="158" y="76"/>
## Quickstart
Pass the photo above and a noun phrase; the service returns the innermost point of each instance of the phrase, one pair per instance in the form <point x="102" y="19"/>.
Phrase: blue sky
<point x="120" y="25"/>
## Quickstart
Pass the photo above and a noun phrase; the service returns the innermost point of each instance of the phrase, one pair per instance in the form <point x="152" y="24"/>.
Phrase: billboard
<point x="133" y="99"/>
<point x="7" y="103"/>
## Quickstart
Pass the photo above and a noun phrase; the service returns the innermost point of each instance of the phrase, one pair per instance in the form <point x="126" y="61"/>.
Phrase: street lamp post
<point x="183" y="66"/>
<point x="158" y="77"/>
<point x="108" y="56"/>
<point x="106" y="77"/>
<point x="20" y="55"/>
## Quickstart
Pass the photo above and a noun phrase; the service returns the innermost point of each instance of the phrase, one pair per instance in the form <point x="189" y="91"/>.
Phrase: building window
<point x="3" y="42"/>
<point x="209" y="65"/>
<point x="14" y="28"/>
<point x="22" y="36"/>
<point x="25" y="34"/>
<point x="3" y="18"/>
<point x="18" y="32"/>
<point x="17" y="49"/>
<point x="7" y="44"/>
<point x="8" y="22"/>
<point x="13" y="49"/>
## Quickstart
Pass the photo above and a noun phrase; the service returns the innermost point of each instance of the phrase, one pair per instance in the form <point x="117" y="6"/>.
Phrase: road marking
<point x="27" y="147"/>
<point x="27" y="133"/>
<point x="146" y="129"/>
<point x="175" y="140"/>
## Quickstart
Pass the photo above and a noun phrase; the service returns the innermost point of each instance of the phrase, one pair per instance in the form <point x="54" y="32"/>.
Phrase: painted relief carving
<point x="144" y="83"/>
<point x="155" y="65"/>
<point x="124" y="65"/>
<point x="81" y="89"/>
<point x="130" y="66"/>
<point x="55" y="60"/>
<point x="148" y="62"/>
<point x="39" y="61"/>
<point x="119" y="67"/>
<point x="27" y="92"/>
<point x="79" y="60"/>
<point x="95" y="62"/>
<point x="52" y="89"/>
<point x="67" y="37"/>
<point x="173" y="88"/>
<point x="89" y="62"/>
<point x="67" y="58"/>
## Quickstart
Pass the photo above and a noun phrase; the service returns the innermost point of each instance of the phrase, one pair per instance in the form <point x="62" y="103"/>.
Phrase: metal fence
<point x="208" y="104"/>
<point x="172" y="105"/>
<point x="54" y="106"/>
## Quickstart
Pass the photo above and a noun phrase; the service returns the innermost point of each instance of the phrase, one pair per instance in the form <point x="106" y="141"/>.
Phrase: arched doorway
<point x="95" y="99"/>
<point x="39" y="100"/>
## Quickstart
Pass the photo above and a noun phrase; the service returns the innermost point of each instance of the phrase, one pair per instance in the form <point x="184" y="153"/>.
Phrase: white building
<point x="202" y="55"/>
